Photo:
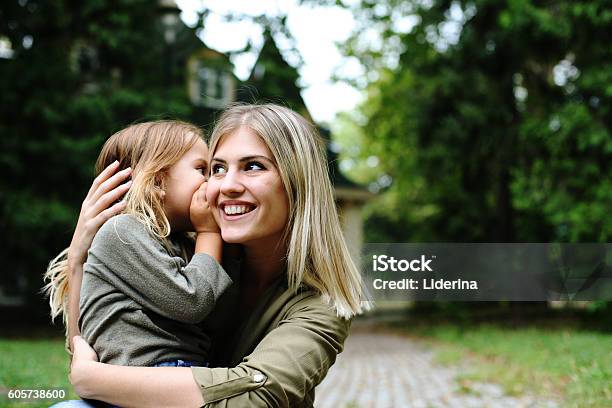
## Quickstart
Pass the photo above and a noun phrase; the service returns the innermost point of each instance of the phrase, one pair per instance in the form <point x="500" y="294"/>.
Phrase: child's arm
<point x="126" y="255"/>
<point x="208" y="238"/>
<point x="209" y="243"/>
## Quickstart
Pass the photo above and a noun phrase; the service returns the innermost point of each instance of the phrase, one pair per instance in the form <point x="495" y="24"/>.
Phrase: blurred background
<point x="446" y="121"/>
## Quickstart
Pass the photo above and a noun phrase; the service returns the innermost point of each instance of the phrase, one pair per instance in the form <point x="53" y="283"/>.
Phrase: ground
<point x="385" y="369"/>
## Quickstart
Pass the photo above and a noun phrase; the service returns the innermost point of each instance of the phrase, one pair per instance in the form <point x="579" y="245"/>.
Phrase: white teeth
<point x="236" y="209"/>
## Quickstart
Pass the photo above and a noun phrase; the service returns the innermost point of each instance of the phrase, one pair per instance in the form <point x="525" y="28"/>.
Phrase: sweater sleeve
<point x="285" y="366"/>
<point x="127" y="256"/>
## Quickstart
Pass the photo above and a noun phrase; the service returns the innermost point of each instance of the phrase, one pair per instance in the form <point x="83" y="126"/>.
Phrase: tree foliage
<point x="493" y="118"/>
<point x="79" y="71"/>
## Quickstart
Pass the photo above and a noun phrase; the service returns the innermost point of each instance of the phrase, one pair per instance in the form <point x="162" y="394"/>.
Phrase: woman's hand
<point x="131" y="386"/>
<point x="98" y="207"/>
<point x="200" y="212"/>
<point x="80" y="368"/>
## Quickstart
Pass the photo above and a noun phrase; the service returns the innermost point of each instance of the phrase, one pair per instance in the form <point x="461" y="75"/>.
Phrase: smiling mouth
<point x="237" y="209"/>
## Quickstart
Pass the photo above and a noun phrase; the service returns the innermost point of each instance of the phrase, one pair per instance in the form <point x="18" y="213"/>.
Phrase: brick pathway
<point x="382" y="370"/>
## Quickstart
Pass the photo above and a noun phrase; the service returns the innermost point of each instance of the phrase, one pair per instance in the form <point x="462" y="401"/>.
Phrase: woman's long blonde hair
<point x="150" y="149"/>
<point x="317" y="254"/>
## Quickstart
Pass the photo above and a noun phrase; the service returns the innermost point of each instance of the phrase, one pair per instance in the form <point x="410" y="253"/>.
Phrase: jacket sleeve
<point x="285" y="366"/>
<point x="126" y="255"/>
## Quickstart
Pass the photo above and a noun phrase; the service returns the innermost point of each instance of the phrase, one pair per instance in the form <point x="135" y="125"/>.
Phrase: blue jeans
<point x="87" y="403"/>
<point x="81" y="404"/>
<point x="181" y="363"/>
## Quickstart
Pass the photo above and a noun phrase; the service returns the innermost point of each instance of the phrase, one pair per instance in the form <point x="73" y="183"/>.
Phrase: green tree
<point x="79" y="71"/>
<point x="493" y="118"/>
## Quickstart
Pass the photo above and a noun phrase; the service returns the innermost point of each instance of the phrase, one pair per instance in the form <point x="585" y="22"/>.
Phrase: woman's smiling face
<point x="245" y="190"/>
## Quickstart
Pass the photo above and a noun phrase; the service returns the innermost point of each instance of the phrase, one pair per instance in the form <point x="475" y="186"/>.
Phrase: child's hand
<point x="200" y="212"/>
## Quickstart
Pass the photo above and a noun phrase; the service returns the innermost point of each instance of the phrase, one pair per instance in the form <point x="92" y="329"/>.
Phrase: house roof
<point x="273" y="80"/>
<point x="272" y="75"/>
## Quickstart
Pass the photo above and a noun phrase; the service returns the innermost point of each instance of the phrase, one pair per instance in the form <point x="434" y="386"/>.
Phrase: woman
<point x="270" y="192"/>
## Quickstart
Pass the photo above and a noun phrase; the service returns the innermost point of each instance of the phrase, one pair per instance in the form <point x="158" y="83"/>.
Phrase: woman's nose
<point x="231" y="184"/>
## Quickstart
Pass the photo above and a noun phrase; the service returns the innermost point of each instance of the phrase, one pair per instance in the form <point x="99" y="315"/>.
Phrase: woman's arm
<point x="131" y="386"/>
<point x="282" y="370"/>
<point x="97" y="207"/>
<point x="75" y="277"/>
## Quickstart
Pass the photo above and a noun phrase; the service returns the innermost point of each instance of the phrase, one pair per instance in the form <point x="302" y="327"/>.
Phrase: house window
<point x="84" y="59"/>
<point x="214" y="88"/>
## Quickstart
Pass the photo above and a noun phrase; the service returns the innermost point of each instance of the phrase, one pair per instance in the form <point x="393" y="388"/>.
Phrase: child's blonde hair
<point x="150" y="149"/>
<point x="317" y="254"/>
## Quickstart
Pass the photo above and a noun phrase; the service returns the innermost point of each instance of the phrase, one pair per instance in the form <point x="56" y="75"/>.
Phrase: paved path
<point x="379" y="369"/>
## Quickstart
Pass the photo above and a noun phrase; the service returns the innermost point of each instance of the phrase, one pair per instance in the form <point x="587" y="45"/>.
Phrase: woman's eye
<point x="218" y="169"/>
<point x="254" y="166"/>
<point x="203" y="170"/>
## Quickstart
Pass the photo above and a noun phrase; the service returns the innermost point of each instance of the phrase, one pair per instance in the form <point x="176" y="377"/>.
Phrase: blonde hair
<point x="150" y="149"/>
<point x="317" y="254"/>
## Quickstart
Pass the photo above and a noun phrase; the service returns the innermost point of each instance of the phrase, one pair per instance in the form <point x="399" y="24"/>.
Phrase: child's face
<point x="182" y="180"/>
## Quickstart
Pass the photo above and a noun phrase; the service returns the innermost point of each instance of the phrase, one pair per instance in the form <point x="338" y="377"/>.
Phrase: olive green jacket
<point x="278" y="355"/>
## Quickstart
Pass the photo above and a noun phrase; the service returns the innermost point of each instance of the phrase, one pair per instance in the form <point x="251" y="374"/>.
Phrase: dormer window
<point x="215" y="87"/>
<point x="210" y="86"/>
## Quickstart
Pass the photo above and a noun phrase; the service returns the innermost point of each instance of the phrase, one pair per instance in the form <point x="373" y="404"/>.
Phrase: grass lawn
<point x="33" y="364"/>
<point x="566" y="364"/>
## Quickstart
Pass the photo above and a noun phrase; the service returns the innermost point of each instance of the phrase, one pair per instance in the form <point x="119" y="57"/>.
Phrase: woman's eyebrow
<point x="248" y="158"/>
<point x="243" y="159"/>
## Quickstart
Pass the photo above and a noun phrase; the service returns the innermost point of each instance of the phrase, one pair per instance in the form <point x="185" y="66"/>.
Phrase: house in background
<point x="211" y="85"/>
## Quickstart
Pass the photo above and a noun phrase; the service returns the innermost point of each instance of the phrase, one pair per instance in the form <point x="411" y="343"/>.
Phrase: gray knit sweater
<point x="140" y="304"/>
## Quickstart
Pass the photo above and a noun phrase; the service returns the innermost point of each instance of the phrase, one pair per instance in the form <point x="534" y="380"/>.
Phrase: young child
<point x="144" y="290"/>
